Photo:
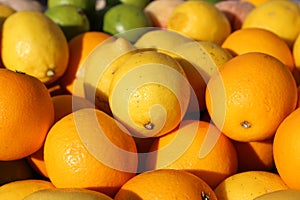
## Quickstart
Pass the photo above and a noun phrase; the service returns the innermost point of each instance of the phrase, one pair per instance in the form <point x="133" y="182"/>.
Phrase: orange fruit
<point x="65" y="104"/>
<point x="243" y="98"/>
<point x="286" y="151"/>
<point x="259" y="40"/>
<point x="189" y="148"/>
<point x="89" y="149"/>
<point x="249" y="185"/>
<point x="190" y="18"/>
<point x="256" y="155"/>
<point x="15" y="170"/>
<point x="19" y="189"/>
<point x="165" y="184"/>
<point x="80" y="47"/>
<point x="26" y="114"/>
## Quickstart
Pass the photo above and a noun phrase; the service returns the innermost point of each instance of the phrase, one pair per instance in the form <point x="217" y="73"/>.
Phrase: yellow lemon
<point x="19" y="189"/>
<point x="67" y="194"/>
<point x="149" y="93"/>
<point x="249" y="185"/>
<point x="5" y="11"/>
<point x="96" y="74"/>
<point x="200" y="20"/>
<point x="35" y="45"/>
<point x="281" y="17"/>
<point x="280" y="194"/>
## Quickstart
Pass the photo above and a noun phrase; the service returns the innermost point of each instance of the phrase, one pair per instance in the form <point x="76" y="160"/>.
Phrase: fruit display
<point x="149" y="99"/>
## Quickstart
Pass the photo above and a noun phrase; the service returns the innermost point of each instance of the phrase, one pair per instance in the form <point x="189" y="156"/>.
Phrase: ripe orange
<point x="80" y="47"/>
<point x="198" y="147"/>
<point x="65" y="104"/>
<point x="165" y="184"/>
<point x="250" y="96"/>
<point x="256" y="155"/>
<point x="259" y="40"/>
<point x="89" y="149"/>
<point x="286" y="150"/>
<point x="26" y="114"/>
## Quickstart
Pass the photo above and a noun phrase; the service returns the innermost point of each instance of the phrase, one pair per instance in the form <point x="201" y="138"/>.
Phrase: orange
<point x="256" y="155"/>
<point x="80" y="47"/>
<point x="65" y="104"/>
<point x="198" y="147"/>
<point x="89" y="149"/>
<point x="165" y="184"/>
<point x="249" y="185"/>
<point x="298" y="103"/>
<point x="19" y="189"/>
<point x="15" y="170"/>
<point x="250" y="96"/>
<point x="191" y="18"/>
<point x="286" y="150"/>
<point x="259" y="40"/>
<point x="26" y="114"/>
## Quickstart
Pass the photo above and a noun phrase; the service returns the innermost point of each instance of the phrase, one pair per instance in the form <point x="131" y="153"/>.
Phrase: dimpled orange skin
<point x="251" y="96"/>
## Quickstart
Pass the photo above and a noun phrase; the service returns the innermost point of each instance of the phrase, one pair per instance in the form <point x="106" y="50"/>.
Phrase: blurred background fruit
<point x="159" y="11"/>
<point x="284" y="20"/>
<point x="123" y="17"/>
<point x="71" y="19"/>
<point x="20" y="5"/>
<point x="44" y="57"/>
<point x="278" y="195"/>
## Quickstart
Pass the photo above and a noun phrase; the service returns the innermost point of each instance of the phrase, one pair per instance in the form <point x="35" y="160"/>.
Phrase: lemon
<point x="200" y="20"/>
<point x="149" y="93"/>
<point x="67" y="194"/>
<point x="289" y="194"/>
<point x="97" y="73"/>
<point x="281" y="17"/>
<point x="35" y="45"/>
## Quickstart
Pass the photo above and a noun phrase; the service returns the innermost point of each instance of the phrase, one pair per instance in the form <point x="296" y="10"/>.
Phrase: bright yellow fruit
<point x="149" y="93"/>
<point x="67" y="194"/>
<point x="19" y="189"/>
<point x="249" y="185"/>
<point x="97" y="73"/>
<point x="35" y="45"/>
<point x="5" y="11"/>
<point x="200" y="20"/>
<point x="281" y="17"/>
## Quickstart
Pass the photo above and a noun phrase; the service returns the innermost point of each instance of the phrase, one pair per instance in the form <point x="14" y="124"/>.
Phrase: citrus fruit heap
<point x="100" y="105"/>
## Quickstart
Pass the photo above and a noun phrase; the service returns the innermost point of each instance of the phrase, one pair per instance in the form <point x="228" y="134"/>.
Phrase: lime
<point x="138" y="3"/>
<point x="71" y="19"/>
<point x="124" y="17"/>
<point x="88" y="6"/>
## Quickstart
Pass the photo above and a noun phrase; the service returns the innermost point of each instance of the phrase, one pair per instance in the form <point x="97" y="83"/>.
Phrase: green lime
<point x="138" y="3"/>
<point x="88" y="6"/>
<point x="124" y="17"/>
<point x="72" y="20"/>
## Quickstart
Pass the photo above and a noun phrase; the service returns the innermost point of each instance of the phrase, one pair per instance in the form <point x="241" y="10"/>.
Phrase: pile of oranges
<point x="242" y="143"/>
